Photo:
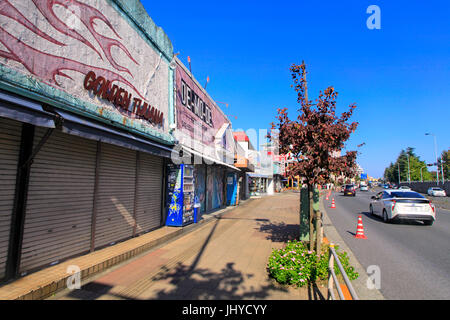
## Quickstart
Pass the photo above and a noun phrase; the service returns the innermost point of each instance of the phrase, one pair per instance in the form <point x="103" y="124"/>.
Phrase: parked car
<point x="404" y="188"/>
<point x="436" y="192"/>
<point x="402" y="205"/>
<point x="349" y="190"/>
<point x="385" y="186"/>
<point x="364" y="188"/>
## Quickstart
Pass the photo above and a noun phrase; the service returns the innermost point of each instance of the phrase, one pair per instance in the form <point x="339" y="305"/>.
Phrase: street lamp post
<point x="435" y="154"/>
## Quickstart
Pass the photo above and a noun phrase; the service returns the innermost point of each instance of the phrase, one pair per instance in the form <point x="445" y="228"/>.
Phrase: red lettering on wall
<point x="121" y="98"/>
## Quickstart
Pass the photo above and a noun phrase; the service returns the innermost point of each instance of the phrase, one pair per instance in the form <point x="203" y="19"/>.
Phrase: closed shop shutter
<point x="60" y="199"/>
<point x="10" y="132"/>
<point x="116" y="189"/>
<point x="149" y="192"/>
<point x="200" y="184"/>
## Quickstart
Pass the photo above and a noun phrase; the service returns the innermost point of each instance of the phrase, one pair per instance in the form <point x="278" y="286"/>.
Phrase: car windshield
<point x="407" y="195"/>
<point x="349" y="186"/>
<point x="437" y="189"/>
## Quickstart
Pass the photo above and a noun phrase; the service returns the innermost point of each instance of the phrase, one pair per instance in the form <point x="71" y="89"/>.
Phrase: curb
<point x="47" y="282"/>
<point x="364" y="293"/>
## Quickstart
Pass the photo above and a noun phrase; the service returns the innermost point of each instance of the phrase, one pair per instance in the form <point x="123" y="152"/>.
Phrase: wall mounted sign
<point x="193" y="102"/>
<point x="121" y="98"/>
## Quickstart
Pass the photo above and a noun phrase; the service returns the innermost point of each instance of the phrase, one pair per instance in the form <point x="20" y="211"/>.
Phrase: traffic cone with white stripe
<point x="360" y="229"/>
<point x="333" y="205"/>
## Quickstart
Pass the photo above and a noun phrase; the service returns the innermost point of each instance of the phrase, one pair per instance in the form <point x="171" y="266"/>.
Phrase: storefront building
<point x="205" y="142"/>
<point x="244" y="161"/>
<point x="86" y="106"/>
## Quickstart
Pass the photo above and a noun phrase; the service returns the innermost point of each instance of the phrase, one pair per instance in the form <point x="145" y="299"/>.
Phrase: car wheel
<point x="385" y="216"/>
<point x="428" y="222"/>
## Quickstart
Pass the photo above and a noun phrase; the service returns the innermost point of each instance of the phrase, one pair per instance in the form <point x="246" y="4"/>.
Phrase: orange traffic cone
<point x="360" y="229"/>
<point x="333" y="205"/>
<point x="327" y="198"/>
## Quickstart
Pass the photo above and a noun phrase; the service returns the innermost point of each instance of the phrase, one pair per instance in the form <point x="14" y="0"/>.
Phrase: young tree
<point x="315" y="135"/>
<point x="444" y="161"/>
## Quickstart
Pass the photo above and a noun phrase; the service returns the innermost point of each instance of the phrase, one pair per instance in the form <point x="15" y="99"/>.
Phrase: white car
<point x="363" y="187"/>
<point x="404" y="188"/>
<point x="397" y="204"/>
<point x="436" y="192"/>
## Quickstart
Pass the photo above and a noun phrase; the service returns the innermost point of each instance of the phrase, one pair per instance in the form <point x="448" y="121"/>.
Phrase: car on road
<point x="363" y="188"/>
<point x="393" y="205"/>
<point x="404" y="188"/>
<point x="385" y="186"/>
<point x="436" y="192"/>
<point x="349" y="190"/>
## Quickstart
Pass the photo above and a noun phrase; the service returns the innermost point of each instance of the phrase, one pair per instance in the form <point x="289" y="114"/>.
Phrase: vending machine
<point x="180" y="195"/>
<point x="232" y="189"/>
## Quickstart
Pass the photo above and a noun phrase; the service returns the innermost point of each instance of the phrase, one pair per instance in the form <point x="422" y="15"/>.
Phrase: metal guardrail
<point x="333" y="280"/>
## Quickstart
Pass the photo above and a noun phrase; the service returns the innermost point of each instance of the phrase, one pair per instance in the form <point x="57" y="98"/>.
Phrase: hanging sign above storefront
<point x="121" y="98"/>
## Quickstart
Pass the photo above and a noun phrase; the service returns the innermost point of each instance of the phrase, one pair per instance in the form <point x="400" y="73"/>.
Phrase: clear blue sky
<point x="399" y="76"/>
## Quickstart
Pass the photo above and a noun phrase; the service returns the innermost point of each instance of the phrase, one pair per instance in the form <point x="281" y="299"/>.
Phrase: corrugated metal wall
<point x="60" y="198"/>
<point x="149" y="192"/>
<point x="116" y="188"/>
<point x="10" y="133"/>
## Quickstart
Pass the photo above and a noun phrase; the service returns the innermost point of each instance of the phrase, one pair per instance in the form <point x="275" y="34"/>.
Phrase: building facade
<point x="205" y="143"/>
<point x="86" y="107"/>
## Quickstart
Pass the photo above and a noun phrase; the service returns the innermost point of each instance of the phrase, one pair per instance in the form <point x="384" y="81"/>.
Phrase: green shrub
<point x="296" y="265"/>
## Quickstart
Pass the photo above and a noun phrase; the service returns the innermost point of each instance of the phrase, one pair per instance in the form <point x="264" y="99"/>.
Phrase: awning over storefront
<point x="24" y="110"/>
<point x="76" y="125"/>
<point x="258" y="175"/>
<point x="28" y="111"/>
<point x="189" y="150"/>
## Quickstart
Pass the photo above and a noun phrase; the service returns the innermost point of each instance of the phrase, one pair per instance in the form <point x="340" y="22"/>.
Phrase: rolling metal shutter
<point x="149" y="192"/>
<point x="115" y="200"/>
<point x="10" y="133"/>
<point x="60" y="198"/>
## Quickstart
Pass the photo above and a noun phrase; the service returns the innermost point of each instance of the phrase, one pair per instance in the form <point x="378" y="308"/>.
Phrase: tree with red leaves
<point x="315" y="135"/>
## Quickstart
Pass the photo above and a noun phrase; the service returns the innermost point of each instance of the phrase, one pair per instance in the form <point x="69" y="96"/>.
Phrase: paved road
<point x="414" y="259"/>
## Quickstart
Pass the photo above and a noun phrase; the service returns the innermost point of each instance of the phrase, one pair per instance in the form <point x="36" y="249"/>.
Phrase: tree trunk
<point x="318" y="231"/>
<point x="311" y="217"/>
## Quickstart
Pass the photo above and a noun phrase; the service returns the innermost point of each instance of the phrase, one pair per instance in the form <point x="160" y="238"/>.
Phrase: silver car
<point x="402" y="205"/>
<point x="436" y="192"/>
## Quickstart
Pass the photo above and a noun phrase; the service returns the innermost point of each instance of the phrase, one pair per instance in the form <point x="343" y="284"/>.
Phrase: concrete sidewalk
<point x="224" y="259"/>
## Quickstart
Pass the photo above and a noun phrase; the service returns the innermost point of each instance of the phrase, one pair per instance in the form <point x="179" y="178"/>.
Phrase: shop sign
<point x="193" y="102"/>
<point x="121" y="98"/>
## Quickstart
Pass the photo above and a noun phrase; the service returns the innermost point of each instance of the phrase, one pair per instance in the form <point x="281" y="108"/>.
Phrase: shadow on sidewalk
<point x="280" y="232"/>
<point x="205" y="284"/>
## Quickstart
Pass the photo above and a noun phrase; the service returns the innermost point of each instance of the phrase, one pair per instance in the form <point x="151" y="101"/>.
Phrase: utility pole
<point x="435" y="154"/>
<point x="421" y="177"/>
<point x="398" y="163"/>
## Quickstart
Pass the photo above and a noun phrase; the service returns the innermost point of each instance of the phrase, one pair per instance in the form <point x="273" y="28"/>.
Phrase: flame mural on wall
<point x="47" y="66"/>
